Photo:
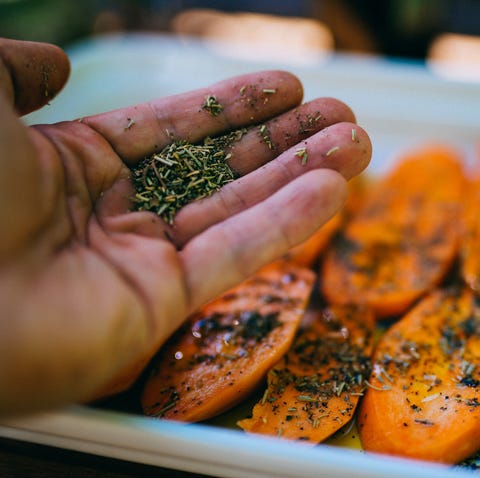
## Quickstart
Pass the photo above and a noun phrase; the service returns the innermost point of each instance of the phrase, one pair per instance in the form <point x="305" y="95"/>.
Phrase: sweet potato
<point x="470" y="246"/>
<point x="403" y="239"/>
<point x="225" y="350"/>
<point x="424" y="398"/>
<point x="313" y="391"/>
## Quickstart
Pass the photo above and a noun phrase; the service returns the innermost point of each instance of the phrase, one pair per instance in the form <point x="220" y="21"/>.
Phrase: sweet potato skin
<point x="225" y="350"/>
<point x="403" y="239"/>
<point x="425" y="403"/>
<point x="313" y="391"/>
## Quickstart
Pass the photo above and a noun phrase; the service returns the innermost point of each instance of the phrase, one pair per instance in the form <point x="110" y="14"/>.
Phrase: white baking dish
<point x="400" y="104"/>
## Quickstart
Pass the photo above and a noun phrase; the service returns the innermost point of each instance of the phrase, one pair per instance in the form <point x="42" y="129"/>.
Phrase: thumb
<point x="31" y="74"/>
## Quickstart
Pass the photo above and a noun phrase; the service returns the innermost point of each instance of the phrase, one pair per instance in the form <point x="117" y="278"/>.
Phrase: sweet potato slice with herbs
<point x="424" y="396"/>
<point x="403" y="239"/>
<point x="313" y="391"/>
<point x="225" y="350"/>
<point x="470" y="245"/>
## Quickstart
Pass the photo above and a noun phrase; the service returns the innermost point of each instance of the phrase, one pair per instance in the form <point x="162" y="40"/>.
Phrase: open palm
<point x="90" y="290"/>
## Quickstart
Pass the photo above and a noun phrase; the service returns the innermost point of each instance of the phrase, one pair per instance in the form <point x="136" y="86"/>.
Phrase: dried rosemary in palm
<point x="181" y="173"/>
<point x="212" y="105"/>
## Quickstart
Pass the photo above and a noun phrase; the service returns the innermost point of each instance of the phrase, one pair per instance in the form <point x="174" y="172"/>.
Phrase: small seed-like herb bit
<point x="242" y="90"/>
<point x="332" y="150"/>
<point x="424" y="422"/>
<point x="306" y="398"/>
<point x="172" y="402"/>
<point x="380" y="389"/>
<point x="265" y="135"/>
<point x="212" y="105"/>
<point x="130" y="123"/>
<point x="338" y="389"/>
<point x="384" y="373"/>
<point x="181" y="173"/>
<point x="269" y="91"/>
<point x="302" y="154"/>
<point x="264" y="397"/>
<point x="429" y="398"/>
<point x="354" y="135"/>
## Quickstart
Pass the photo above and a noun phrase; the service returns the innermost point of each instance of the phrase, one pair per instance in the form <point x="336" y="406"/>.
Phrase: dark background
<point x="398" y="28"/>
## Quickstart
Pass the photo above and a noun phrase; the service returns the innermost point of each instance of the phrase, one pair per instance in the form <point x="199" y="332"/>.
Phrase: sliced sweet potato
<point x="403" y="239"/>
<point x="424" y="396"/>
<point x="470" y="246"/>
<point x="313" y="391"/>
<point x="222" y="354"/>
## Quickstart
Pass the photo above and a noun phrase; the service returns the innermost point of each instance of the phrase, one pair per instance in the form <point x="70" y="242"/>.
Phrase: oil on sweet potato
<point x="313" y="391"/>
<point x="225" y="350"/>
<point x="424" y="398"/>
<point x="404" y="238"/>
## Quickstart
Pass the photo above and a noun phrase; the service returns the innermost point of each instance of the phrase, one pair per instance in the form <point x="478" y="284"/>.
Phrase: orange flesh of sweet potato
<point x="403" y="240"/>
<point x="470" y="246"/>
<point x="425" y="403"/>
<point x="224" y="352"/>
<point x="313" y="391"/>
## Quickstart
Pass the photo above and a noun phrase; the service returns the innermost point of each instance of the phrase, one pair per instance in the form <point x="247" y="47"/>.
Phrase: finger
<point x="138" y="131"/>
<point x="230" y="251"/>
<point x="31" y="74"/>
<point x="343" y="147"/>
<point x="250" y="152"/>
<point x="263" y="143"/>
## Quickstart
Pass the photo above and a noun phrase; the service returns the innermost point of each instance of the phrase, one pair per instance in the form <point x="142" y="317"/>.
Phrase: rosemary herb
<point x="181" y="173"/>
<point x="265" y="135"/>
<point x="379" y="389"/>
<point x="131" y="122"/>
<point x="265" y="396"/>
<point x="307" y="398"/>
<point x="212" y="105"/>
<point x="424" y="422"/>
<point x="332" y="150"/>
<point x="302" y="154"/>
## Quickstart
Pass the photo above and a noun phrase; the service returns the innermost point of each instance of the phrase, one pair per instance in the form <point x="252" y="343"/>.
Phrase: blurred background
<point x="413" y="29"/>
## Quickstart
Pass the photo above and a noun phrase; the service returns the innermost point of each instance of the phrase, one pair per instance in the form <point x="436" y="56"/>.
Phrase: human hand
<point x="89" y="290"/>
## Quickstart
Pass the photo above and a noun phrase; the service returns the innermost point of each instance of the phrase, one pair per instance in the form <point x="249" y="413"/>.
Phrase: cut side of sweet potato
<point x="225" y="350"/>
<point x="314" y="390"/>
<point x="424" y="396"/>
<point x="403" y="239"/>
<point x="470" y="245"/>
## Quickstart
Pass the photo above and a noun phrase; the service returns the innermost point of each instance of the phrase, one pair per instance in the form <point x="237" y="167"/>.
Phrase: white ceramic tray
<point x="400" y="104"/>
